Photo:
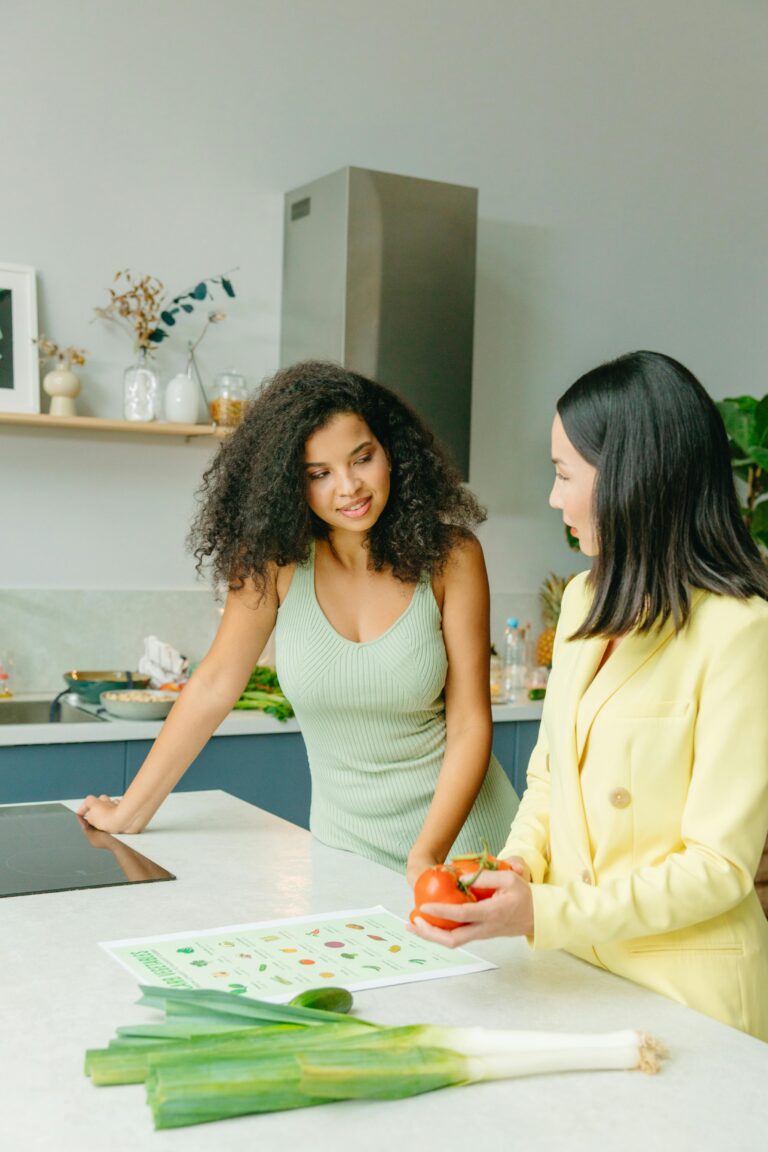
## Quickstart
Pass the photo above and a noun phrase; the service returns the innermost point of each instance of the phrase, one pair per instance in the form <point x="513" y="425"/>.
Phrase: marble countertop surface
<point x="236" y="864"/>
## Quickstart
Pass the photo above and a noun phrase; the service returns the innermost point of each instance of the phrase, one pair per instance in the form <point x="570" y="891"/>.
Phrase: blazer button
<point x="586" y="876"/>
<point x="620" y="798"/>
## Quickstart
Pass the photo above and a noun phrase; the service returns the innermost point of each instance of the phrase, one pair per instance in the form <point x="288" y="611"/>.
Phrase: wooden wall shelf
<point x="96" y="424"/>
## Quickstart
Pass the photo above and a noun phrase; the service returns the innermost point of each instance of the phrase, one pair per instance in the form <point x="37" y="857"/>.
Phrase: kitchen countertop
<point x="240" y="723"/>
<point x="63" y="994"/>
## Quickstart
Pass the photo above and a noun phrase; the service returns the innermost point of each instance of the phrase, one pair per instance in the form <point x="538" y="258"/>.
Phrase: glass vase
<point x="141" y="390"/>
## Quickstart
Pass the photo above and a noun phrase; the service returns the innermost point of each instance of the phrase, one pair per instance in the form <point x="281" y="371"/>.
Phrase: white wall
<point x="621" y="155"/>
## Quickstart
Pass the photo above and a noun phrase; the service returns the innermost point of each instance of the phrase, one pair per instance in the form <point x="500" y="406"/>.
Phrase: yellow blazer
<point x="646" y="809"/>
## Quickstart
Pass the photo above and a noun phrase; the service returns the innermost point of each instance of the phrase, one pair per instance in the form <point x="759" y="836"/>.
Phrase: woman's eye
<point x="364" y="459"/>
<point x="317" y="475"/>
<point x="559" y="476"/>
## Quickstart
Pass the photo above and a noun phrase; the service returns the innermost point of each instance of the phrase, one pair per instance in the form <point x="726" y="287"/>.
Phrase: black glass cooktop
<point x="48" y="848"/>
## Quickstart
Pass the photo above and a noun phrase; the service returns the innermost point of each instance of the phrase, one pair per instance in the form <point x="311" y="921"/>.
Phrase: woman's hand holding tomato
<point x="439" y="885"/>
<point x="480" y="862"/>
<point x="418" y="862"/>
<point x="449" y="911"/>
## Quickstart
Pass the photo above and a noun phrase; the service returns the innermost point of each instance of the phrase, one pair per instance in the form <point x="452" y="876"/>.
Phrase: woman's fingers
<point x="461" y="913"/>
<point x="517" y="864"/>
<point x="435" y="935"/>
<point x="86" y="804"/>
<point x="492" y="880"/>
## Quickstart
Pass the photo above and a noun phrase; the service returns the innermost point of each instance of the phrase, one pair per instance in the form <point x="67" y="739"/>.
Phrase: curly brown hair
<point x="253" y="507"/>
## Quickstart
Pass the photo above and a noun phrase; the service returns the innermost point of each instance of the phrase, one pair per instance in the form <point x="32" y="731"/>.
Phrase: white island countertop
<point x="238" y="723"/>
<point x="236" y="864"/>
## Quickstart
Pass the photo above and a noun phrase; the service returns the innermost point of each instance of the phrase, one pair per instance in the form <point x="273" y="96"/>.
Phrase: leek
<point x="202" y="1001"/>
<point x="276" y="1057"/>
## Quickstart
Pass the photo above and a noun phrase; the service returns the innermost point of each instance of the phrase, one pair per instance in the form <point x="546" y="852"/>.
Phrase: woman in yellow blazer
<point x="642" y="826"/>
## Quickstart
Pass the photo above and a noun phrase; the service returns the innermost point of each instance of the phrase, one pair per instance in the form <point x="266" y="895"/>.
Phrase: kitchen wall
<point x="620" y="152"/>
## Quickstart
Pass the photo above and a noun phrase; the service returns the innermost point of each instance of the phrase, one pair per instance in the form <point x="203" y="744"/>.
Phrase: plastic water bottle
<point x="514" y="664"/>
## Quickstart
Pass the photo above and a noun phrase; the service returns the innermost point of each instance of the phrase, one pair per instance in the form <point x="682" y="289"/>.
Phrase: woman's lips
<point x="573" y="531"/>
<point x="357" y="509"/>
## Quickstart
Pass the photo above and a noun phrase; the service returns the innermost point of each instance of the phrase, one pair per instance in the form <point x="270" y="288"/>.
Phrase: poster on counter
<point x="276" y="959"/>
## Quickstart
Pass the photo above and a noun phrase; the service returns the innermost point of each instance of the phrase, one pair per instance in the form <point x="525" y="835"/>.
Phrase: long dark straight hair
<point x="664" y="507"/>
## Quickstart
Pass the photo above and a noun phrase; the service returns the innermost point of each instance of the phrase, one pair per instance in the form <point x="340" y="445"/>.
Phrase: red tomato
<point x="439" y="885"/>
<point x="470" y="864"/>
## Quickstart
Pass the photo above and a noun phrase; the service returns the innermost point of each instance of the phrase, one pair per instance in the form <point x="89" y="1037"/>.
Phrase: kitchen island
<point x="236" y="864"/>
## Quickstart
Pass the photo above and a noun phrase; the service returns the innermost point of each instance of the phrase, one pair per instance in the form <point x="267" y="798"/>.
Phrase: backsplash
<point x="49" y="632"/>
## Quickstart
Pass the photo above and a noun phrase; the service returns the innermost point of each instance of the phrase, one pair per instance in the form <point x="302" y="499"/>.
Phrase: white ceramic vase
<point x="62" y="385"/>
<point x="181" y="400"/>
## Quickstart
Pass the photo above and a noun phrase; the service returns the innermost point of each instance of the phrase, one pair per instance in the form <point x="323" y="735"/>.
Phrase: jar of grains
<point x="228" y="399"/>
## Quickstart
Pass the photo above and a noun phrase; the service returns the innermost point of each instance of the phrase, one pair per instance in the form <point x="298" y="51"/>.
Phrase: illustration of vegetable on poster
<point x="276" y="959"/>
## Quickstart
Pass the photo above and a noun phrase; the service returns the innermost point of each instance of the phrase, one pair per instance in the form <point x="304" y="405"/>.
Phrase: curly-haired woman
<point x="334" y="516"/>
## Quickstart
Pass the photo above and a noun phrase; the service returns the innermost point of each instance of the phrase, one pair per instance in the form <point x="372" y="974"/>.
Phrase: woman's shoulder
<point x="464" y="566"/>
<point x="281" y="577"/>
<point x="464" y="554"/>
<point x="576" y="598"/>
<point x="730" y="614"/>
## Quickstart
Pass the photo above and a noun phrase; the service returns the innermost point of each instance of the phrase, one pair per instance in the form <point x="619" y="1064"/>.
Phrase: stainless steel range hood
<point x="379" y="275"/>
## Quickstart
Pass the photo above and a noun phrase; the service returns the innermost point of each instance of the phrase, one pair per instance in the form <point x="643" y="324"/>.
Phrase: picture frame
<point x="19" y="361"/>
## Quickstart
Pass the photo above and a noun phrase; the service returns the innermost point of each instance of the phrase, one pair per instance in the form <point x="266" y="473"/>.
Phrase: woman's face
<point x="573" y="488"/>
<point x="347" y="474"/>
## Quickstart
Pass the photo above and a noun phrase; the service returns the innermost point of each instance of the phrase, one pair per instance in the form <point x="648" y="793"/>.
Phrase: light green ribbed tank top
<point x="373" y="720"/>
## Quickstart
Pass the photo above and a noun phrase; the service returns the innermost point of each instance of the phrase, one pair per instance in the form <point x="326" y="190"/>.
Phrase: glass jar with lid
<point x="228" y="399"/>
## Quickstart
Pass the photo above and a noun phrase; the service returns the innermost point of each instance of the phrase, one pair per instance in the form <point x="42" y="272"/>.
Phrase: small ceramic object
<point x="62" y="385"/>
<point x="181" y="400"/>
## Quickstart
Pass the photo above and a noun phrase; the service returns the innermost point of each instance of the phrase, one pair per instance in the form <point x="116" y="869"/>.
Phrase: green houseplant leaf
<point x="740" y="422"/>
<point x="746" y="424"/>
<point x="759" y="523"/>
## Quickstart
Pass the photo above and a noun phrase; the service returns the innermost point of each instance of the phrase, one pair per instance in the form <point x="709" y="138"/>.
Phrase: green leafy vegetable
<point x="263" y="692"/>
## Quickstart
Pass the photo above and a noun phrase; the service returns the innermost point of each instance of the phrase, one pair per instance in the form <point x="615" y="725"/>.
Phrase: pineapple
<point x="550" y="598"/>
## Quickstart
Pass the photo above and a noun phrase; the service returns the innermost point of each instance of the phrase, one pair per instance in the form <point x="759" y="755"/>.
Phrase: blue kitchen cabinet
<point x="512" y="746"/>
<point x="31" y="772"/>
<point x="269" y="771"/>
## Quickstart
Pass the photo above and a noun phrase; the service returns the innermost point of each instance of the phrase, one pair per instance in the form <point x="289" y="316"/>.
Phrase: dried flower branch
<point x="137" y="307"/>
<point x="50" y="350"/>
<point x="213" y="318"/>
<point x="142" y="309"/>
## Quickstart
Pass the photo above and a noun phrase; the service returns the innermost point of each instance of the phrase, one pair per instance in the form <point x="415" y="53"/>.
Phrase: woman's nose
<point x="349" y="483"/>
<point x="554" y="499"/>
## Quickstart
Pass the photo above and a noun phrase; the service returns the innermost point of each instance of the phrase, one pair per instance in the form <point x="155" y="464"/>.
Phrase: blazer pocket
<point x="686" y="949"/>
<point x="656" y="710"/>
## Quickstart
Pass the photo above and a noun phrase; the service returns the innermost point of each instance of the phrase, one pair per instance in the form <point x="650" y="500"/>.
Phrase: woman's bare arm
<point x="203" y="704"/>
<point x="469" y="729"/>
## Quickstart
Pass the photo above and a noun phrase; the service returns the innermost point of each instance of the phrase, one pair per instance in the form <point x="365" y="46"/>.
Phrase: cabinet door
<point x="269" y="771"/>
<point x="60" y="771"/>
<point x="513" y="742"/>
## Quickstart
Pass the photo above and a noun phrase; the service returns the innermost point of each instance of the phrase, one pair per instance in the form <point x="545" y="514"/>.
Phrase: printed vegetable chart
<point x="276" y="959"/>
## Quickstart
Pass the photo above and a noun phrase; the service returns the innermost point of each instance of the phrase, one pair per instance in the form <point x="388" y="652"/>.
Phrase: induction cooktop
<point x="49" y="848"/>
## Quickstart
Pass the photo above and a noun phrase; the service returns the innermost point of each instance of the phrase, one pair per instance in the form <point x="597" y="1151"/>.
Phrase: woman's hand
<point x="104" y="813"/>
<point x="517" y="864"/>
<point x="509" y="912"/>
<point x="418" y="861"/>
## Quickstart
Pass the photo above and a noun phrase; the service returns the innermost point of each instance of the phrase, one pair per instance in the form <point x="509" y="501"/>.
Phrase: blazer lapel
<point x="634" y="651"/>
<point x="577" y="664"/>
